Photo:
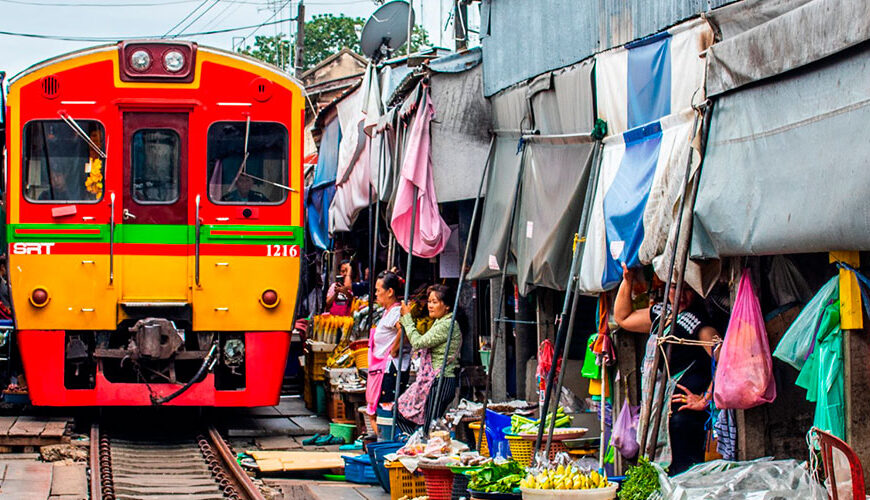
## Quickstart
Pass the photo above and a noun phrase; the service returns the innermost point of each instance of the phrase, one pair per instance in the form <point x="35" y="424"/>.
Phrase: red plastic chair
<point x="827" y="443"/>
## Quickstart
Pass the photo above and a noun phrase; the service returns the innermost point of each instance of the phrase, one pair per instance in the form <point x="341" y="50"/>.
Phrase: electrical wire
<point x="220" y="17"/>
<point x="189" y="14"/>
<point x="249" y="35"/>
<point x="133" y="4"/>
<point x="116" y="38"/>
<point x="197" y="18"/>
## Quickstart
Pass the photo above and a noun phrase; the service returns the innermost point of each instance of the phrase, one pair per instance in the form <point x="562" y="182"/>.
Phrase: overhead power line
<point x="185" y="18"/>
<point x="197" y="18"/>
<point x="131" y="4"/>
<point x="116" y="38"/>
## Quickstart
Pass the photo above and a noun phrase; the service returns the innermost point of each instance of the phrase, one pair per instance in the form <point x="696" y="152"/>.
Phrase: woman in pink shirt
<point x="382" y="341"/>
<point x="339" y="297"/>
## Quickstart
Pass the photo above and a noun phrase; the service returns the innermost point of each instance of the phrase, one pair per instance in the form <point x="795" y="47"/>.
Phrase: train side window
<point x="59" y="165"/>
<point x="155" y="165"/>
<point x="257" y="175"/>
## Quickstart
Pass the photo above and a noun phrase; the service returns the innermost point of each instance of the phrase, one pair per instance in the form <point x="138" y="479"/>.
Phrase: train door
<point x="154" y="232"/>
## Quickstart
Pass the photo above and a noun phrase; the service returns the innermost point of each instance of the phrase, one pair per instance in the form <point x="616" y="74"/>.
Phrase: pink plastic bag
<point x="625" y="430"/>
<point x="744" y="376"/>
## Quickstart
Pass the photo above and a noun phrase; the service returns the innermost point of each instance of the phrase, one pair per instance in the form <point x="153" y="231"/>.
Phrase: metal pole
<point x="572" y="296"/>
<point x="462" y="275"/>
<point x="407" y="295"/>
<point x="300" y="39"/>
<point x="500" y="302"/>
<point x="648" y="448"/>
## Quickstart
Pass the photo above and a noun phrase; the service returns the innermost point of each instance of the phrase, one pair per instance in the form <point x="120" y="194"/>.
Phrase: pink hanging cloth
<point x="431" y="232"/>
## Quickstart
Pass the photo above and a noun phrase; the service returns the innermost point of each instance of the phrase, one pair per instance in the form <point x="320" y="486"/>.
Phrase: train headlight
<point x="269" y="299"/>
<point x="140" y="60"/>
<point x="173" y="61"/>
<point x="39" y="297"/>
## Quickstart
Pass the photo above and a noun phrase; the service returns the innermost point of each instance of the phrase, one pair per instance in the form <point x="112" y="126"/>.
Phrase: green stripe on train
<point x="156" y="233"/>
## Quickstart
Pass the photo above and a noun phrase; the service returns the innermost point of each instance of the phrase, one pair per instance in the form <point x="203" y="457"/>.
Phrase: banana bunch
<point x="564" y="478"/>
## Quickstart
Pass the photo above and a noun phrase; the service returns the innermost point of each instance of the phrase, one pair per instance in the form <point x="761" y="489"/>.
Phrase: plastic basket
<point x="336" y="410"/>
<point x="484" y="447"/>
<point x="315" y="362"/>
<point x="480" y="495"/>
<point x="607" y="493"/>
<point x="365" y="418"/>
<point x="377" y="452"/>
<point x="359" y="469"/>
<point x="439" y="482"/>
<point x="460" y="486"/>
<point x="522" y="450"/>
<point x="361" y="358"/>
<point x="404" y="483"/>
<point x="344" y="431"/>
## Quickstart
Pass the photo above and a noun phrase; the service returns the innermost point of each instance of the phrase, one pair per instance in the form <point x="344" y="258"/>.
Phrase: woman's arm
<point x="330" y="296"/>
<point x="633" y="321"/>
<point x="709" y="334"/>
<point x="435" y="336"/>
<point x="394" y="349"/>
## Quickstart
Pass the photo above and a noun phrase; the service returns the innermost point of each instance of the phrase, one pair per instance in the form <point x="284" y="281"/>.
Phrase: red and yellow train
<point x="155" y="223"/>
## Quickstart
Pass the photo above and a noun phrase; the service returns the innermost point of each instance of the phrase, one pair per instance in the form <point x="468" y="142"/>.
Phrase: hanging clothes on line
<point x="431" y="232"/>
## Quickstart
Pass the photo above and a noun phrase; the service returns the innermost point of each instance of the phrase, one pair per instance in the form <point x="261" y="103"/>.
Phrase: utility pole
<point x="460" y="24"/>
<point x="300" y="38"/>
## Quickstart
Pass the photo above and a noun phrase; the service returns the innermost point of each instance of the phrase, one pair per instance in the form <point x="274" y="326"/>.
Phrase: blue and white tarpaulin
<point x="645" y="92"/>
<point x="653" y="77"/>
<point x="319" y="195"/>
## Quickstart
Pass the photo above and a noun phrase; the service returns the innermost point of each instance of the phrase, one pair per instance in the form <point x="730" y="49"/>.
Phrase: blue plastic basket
<point x="359" y="469"/>
<point x="495" y="425"/>
<point x="376" y="452"/>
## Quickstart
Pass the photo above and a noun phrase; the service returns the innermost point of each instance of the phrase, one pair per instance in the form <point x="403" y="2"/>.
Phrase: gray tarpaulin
<point x="509" y="115"/>
<point x="460" y="133"/>
<point x="555" y="169"/>
<point x="797" y="37"/>
<point x="554" y="178"/>
<point x="786" y="164"/>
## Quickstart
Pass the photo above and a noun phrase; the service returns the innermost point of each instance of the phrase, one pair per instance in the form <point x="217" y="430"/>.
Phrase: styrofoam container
<point x="608" y="493"/>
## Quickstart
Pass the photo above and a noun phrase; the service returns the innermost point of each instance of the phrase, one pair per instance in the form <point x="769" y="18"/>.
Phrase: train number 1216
<point x="282" y="250"/>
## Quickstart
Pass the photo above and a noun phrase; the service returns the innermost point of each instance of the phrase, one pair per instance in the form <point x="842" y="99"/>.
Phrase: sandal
<point x="329" y="439"/>
<point x="312" y="440"/>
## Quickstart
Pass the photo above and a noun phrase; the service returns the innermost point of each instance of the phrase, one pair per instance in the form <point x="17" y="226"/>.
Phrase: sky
<point x="124" y="19"/>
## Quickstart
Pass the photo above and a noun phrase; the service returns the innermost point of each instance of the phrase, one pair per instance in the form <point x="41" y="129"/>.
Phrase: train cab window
<point x="59" y="165"/>
<point x="257" y="175"/>
<point x="155" y="166"/>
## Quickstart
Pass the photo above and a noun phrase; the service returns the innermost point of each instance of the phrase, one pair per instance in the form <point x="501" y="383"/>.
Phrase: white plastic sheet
<point x="762" y="479"/>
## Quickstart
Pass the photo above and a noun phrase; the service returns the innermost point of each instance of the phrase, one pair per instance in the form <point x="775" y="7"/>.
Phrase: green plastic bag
<point x="797" y="343"/>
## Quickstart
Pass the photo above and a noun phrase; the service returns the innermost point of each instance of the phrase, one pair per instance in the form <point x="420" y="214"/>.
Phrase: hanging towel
<point x="431" y="232"/>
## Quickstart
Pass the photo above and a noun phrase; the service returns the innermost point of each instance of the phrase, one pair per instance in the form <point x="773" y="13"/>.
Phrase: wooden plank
<point x="54" y="429"/>
<point x="69" y="479"/>
<point x="6" y="423"/>
<point x="296" y="460"/>
<point x="280" y="427"/>
<point x="31" y="441"/>
<point x="27" y="426"/>
<point x="278" y="443"/>
<point x="311" y="425"/>
<point x="26" y="481"/>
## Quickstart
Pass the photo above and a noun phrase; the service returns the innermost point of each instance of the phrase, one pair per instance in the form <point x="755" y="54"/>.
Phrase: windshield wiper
<point x="81" y="133"/>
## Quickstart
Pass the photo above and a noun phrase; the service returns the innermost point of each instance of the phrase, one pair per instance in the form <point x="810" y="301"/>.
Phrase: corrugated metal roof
<point x="529" y="38"/>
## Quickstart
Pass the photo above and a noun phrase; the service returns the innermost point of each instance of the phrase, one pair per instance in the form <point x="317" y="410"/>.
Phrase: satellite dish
<point x="386" y="30"/>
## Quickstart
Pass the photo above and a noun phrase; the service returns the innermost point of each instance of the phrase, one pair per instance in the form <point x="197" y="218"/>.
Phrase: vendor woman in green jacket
<point x="417" y="406"/>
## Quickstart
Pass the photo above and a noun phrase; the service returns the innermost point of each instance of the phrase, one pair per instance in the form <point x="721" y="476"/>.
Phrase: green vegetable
<point x="642" y="480"/>
<point x="496" y="478"/>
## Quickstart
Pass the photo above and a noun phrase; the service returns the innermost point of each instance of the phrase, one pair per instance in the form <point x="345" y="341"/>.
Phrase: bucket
<point x="484" y="359"/>
<point x="344" y="431"/>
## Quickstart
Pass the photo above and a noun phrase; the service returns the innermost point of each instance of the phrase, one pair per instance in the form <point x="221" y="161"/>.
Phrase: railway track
<point x="146" y="466"/>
